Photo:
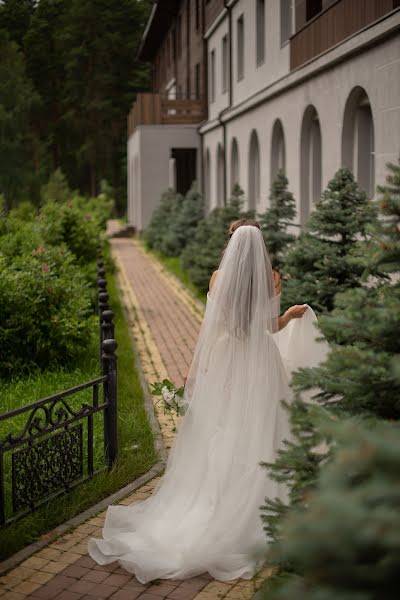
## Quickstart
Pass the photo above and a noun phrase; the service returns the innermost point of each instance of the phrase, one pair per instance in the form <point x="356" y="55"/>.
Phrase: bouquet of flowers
<point x="171" y="396"/>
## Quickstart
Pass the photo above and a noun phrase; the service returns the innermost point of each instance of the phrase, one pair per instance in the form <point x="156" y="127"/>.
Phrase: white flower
<point x="168" y="396"/>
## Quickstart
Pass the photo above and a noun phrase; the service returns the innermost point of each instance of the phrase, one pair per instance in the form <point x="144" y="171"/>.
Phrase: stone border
<point x="155" y="470"/>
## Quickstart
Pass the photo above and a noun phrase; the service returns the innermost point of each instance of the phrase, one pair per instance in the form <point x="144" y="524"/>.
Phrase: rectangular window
<point x="240" y="47"/>
<point x="260" y="31"/>
<point x="179" y="35"/>
<point x="212" y="76"/>
<point x="197" y="81"/>
<point x="286" y="20"/>
<point x="313" y="7"/>
<point x="225" y="64"/>
<point x="197" y="14"/>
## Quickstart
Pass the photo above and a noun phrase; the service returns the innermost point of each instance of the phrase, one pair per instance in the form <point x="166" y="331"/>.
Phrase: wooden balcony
<point x="156" y="109"/>
<point x="333" y="25"/>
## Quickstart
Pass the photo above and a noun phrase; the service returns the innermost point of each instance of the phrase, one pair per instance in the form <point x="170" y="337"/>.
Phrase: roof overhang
<point x="162" y="14"/>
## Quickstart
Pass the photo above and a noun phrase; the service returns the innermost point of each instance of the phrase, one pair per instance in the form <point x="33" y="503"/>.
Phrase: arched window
<point x="207" y="183"/>
<point x="278" y="154"/>
<point x="254" y="171"/>
<point x="234" y="163"/>
<point x="358" y="151"/>
<point x="220" y="176"/>
<point x="310" y="162"/>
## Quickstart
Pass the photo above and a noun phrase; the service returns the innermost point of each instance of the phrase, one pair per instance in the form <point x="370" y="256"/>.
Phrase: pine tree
<point x="162" y="217"/>
<point x="15" y="18"/>
<point x="17" y="99"/>
<point x="346" y="544"/>
<point x="318" y="266"/>
<point x="360" y="378"/>
<point x="182" y="228"/>
<point x="358" y="375"/>
<point x="203" y="254"/>
<point x="276" y="220"/>
<point x="297" y="463"/>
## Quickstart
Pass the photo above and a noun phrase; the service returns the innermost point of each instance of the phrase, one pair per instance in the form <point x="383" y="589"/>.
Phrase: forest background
<point x="69" y="73"/>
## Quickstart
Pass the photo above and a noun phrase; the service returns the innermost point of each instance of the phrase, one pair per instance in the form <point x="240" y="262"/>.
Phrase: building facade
<point x="305" y="86"/>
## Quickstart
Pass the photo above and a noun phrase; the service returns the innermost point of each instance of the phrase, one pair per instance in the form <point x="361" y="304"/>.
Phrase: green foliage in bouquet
<point x="319" y="264"/>
<point x="203" y="254"/>
<point x="277" y="219"/>
<point x="171" y="396"/>
<point x="346" y="544"/>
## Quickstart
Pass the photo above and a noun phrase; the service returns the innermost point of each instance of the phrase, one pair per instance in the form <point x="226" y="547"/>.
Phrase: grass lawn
<point x="173" y="265"/>
<point x="136" y="444"/>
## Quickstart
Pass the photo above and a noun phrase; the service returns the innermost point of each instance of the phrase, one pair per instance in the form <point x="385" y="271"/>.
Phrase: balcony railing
<point x="333" y="25"/>
<point x="156" y="109"/>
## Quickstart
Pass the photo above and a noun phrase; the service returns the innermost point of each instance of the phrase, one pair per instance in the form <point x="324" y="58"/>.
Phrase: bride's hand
<point x="296" y="311"/>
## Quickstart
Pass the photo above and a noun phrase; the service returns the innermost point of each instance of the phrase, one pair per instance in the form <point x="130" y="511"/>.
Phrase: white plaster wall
<point x="134" y="183"/>
<point x="377" y="70"/>
<point x="152" y="145"/>
<point x="276" y="63"/>
<point x="221" y="98"/>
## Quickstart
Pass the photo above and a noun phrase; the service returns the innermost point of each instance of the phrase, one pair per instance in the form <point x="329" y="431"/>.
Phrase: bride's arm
<point x="294" y="312"/>
<point x="212" y="280"/>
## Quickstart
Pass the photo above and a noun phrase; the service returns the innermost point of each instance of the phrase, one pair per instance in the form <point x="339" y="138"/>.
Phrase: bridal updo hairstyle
<point x="236" y="224"/>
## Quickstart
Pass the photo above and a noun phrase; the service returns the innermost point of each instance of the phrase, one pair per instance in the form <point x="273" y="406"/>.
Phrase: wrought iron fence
<point x="50" y="444"/>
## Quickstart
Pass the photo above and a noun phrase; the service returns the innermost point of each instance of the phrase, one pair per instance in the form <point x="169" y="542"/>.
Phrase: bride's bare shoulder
<point x="212" y="280"/>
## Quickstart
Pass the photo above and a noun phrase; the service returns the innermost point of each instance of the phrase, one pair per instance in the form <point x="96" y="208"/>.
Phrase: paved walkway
<point x="165" y="321"/>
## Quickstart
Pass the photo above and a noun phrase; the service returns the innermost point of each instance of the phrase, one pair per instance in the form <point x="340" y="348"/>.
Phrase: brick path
<point x="165" y="321"/>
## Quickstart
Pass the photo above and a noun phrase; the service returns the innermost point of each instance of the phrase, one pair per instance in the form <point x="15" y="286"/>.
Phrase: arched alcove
<point x="310" y="162"/>
<point x="234" y="163"/>
<point x="358" y="140"/>
<point x="207" y="177"/>
<point x="254" y="171"/>
<point x="220" y="176"/>
<point x="278" y="150"/>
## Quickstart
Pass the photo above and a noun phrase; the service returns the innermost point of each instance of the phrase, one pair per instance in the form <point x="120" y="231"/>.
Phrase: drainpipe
<point x="205" y="95"/>
<point x="222" y="123"/>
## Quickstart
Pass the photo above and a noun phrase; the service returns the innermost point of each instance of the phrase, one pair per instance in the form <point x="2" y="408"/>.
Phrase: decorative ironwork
<point x="49" y="452"/>
<point x="46" y="415"/>
<point x="46" y="467"/>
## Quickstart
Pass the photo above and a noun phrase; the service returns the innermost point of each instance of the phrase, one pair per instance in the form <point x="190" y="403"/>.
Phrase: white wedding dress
<point x="204" y="515"/>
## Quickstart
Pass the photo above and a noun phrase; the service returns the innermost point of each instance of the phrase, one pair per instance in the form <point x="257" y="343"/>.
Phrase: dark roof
<point x="162" y="15"/>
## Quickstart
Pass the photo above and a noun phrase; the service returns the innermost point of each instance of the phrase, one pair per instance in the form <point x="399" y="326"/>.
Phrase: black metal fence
<point x="50" y="444"/>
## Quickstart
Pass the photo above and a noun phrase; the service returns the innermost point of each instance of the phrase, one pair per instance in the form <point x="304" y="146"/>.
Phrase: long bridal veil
<point x="204" y="514"/>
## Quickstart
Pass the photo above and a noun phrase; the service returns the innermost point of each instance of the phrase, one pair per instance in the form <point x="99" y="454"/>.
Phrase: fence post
<point x="107" y="319"/>
<point x="109" y="363"/>
<point x="102" y="300"/>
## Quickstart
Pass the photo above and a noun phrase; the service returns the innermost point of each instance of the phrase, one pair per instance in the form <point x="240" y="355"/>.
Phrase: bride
<point x="204" y="514"/>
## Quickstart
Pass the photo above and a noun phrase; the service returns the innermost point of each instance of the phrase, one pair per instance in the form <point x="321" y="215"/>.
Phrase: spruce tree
<point x="358" y="375"/>
<point x="17" y="99"/>
<point x="346" y="544"/>
<point x="318" y="267"/>
<point x="276" y="220"/>
<point x="162" y="218"/>
<point x="203" y="254"/>
<point x="182" y="227"/>
<point x="297" y="464"/>
<point x="361" y="376"/>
